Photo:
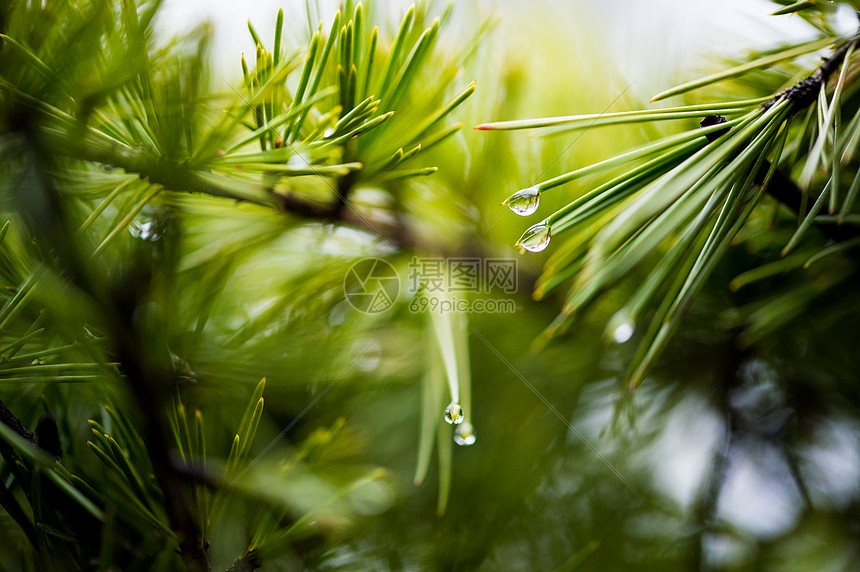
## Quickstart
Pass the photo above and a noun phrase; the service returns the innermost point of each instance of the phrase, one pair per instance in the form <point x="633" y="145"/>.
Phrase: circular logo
<point x="371" y="285"/>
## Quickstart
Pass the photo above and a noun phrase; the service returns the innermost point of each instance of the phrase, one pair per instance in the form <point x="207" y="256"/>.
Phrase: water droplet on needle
<point x="536" y="238"/>
<point x="454" y="414"/>
<point x="524" y="202"/>
<point x="464" y="435"/>
<point x="623" y="332"/>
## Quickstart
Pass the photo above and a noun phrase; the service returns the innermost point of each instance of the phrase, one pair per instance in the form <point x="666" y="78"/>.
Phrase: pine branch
<point x="146" y="369"/>
<point x="148" y="383"/>
<point x="802" y="95"/>
<point x="247" y="563"/>
<point x="171" y="174"/>
<point x="7" y="417"/>
<point x="782" y="187"/>
<point x="180" y="177"/>
<point x="785" y="190"/>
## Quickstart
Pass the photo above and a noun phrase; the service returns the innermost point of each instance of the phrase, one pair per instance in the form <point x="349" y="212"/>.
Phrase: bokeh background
<point x="728" y="457"/>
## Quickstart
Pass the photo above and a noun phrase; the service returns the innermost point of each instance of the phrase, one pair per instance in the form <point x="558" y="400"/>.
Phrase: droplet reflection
<point x="524" y="202"/>
<point x="624" y="331"/>
<point x="454" y="414"/>
<point x="536" y="238"/>
<point x="464" y="435"/>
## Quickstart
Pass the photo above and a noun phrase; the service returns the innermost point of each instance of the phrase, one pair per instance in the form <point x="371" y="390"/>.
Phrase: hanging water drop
<point x="524" y="202"/>
<point x="536" y="238"/>
<point x="146" y="227"/>
<point x="141" y="229"/>
<point x="454" y="414"/>
<point x="464" y="435"/>
<point x="624" y="331"/>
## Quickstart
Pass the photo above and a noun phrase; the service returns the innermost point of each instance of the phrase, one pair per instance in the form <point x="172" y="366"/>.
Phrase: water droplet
<point x="144" y="228"/>
<point x="328" y="132"/>
<point x="464" y="435"/>
<point x="524" y="202"/>
<point x="454" y="414"/>
<point x="624" y="331"/>
<point x="299" y="161"/>
<point x="368" y="355"/>
<point x="536" y="238"/>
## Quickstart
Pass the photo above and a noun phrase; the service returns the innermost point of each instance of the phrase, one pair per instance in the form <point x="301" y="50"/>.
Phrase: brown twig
<point x="805" y="92"/>
<point x="802" y="95"/>
<point x="7" y="417"/>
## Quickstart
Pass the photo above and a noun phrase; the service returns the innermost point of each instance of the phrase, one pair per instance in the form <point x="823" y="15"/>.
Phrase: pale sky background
<point x="644" y="33"/>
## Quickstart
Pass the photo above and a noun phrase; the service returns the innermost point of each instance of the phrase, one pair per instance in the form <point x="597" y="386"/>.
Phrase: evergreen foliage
<point x="172" y="262"/>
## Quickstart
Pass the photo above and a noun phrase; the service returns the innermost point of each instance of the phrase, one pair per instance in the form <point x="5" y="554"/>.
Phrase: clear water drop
<point x="624" y="331"/>
<point x="524" y="202"/>
<point x="145" y="228"/>
<point x="454" y="414"/>
<point x="368" y="354"/>
<point x="536" y="238"/>
<point x="464" y="435"/>
<point x="141" y="229"/>
<point x="328" y="132"/>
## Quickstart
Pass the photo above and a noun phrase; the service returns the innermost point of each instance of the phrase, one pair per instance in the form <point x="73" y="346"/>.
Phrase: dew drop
<point x="524" y="202"/>
<point x="464" y="435"/>
<point x="536" y="238"/>
<point x="328" y="132"/>
<point x="145" y="228"/>
<point x="624" y="331"/>
<point x="299" y="161"/>
<point x="454" y="414"/>
<point x="141" y="229"/>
